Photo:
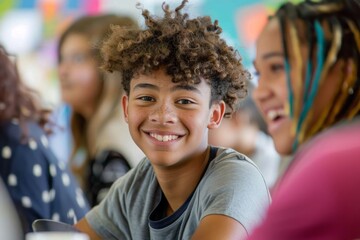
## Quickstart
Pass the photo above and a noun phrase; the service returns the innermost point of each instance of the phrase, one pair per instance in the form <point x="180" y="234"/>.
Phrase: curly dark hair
<point x="188" y="49"/>
<point x="17" y="101"/>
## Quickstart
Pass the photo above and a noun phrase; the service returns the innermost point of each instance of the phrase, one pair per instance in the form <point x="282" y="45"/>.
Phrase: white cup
<point x="56" y="236"/>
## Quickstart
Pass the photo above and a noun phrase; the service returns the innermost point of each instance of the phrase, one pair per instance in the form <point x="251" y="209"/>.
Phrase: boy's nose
<point x="163" y="114"/>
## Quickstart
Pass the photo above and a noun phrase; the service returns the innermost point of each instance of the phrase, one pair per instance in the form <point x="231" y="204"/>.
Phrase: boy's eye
<point x="184" y="101"/>
<point x="147" y="99"/>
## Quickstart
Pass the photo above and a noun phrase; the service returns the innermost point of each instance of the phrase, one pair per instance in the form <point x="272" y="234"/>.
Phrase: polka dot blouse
<point x="40" y="186"/>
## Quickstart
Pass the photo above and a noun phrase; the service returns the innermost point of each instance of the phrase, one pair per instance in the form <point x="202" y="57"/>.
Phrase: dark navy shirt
<point x="40" y="186"/>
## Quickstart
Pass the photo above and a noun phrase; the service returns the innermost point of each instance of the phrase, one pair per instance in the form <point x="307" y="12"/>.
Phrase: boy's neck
<point x="178" y="184"/>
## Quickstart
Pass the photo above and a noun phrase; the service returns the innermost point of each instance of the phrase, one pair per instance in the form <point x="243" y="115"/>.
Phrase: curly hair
<point x="17" y="101"/>
<point x="188" y="49"/>
<point x="331" y="30"/>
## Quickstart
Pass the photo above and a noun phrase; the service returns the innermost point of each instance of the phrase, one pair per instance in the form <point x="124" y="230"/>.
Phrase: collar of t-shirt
<point x="158" y="218"/>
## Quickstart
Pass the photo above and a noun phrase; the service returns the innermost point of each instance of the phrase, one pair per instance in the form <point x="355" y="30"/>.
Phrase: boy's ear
<point x="125" y="103"/>
<point x="217" y="114"/>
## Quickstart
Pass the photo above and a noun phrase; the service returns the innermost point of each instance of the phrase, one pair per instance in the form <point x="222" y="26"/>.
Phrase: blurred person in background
<point x="308" y="61"/>
<point x="37" y="185"/>
<point x="60" y="140"/>
<point x="103" y="149"/>
<point x="245" y="131"/>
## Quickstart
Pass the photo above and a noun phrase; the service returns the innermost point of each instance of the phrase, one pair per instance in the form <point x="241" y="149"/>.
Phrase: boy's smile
<point x="170" y="121"/>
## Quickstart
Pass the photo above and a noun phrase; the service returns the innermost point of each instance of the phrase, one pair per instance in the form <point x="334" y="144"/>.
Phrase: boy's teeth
<point x="163" y="138"/>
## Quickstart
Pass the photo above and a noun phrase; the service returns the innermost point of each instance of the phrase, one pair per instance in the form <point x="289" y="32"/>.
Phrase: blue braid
<point x="289" y="86"/>
<point x="315" y="85"/>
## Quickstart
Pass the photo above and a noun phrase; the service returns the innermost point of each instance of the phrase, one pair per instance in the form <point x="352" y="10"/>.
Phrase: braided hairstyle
<point x="188" y="49"/>
<point x="330" y="29"/>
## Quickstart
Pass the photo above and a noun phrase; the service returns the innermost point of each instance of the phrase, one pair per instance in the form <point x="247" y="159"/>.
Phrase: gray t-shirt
<point x="232" y="185"/>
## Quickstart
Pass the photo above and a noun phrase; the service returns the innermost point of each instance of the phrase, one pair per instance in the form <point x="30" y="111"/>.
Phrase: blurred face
<point x="170" y="122"/>
<point x="271" y="95"/>
<point x="79" y="77"/>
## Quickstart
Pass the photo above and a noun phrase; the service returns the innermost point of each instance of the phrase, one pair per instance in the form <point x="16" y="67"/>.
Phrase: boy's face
<point x="170" y="122"/>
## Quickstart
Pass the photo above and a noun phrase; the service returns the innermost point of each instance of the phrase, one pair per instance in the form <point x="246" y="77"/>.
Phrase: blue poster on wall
<point x="26" y="4"/>
<point x="241" y="21"/>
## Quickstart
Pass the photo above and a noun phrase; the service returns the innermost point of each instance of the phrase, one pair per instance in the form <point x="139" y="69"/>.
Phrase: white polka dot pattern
<point x="44" y="141"/>
<point x="71" y="215"/>
<point x="6" y="152"/>
<point x="12" y="180"/>
<point x="26" y="202"/>
<point x="55" y="217"/>
<point x="65" y="179"/>
<point x="37" y="171"/>
<point x="15" y="121"/>
<point x="79" y="198"/>
<point x="32" y="144"/>
<point x="62" y="165"/>
<point x="45" y="196"/>
<point x="36" y="179"/>
<point x="52" y="169"/>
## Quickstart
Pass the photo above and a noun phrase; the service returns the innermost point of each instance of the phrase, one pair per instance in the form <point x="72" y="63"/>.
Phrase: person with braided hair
<point x="178" y="75"/>
<point x="309" y="94"/>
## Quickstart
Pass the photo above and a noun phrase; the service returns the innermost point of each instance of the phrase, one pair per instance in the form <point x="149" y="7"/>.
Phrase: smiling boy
<point x="178" y="75"/>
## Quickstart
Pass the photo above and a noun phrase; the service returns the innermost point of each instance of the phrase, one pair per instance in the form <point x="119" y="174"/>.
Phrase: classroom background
<point x="29" y="29"/>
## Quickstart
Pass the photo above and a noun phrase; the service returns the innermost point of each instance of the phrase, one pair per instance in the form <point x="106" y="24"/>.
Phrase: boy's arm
<point x="85" y="227"/>
<point x="219" y="227"/>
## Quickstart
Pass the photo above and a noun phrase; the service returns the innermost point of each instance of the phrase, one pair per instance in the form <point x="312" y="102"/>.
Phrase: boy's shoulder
<point x="228" y="158"/>
<point x="223" y="153"/>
